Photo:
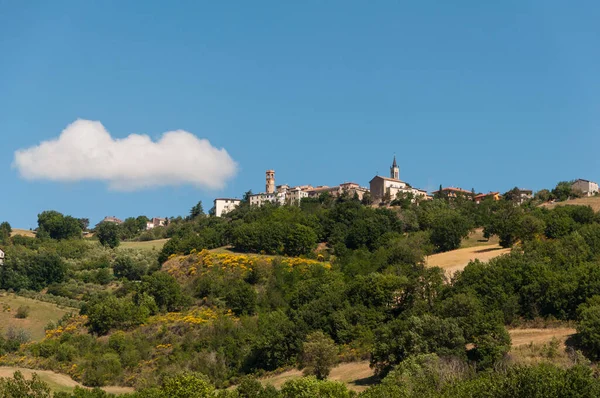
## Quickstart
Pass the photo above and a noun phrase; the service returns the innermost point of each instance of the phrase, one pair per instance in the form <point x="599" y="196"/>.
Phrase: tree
<point x="564" y="190"/>
<point x="126" y="267"/>
<point x="241" y="298"/>
<point x="19" y="387"/>
<point x="5" y="232"/>
<point x="319" y="355"/>
<point x="108" y="234"/>
<point x="449" y="228"/>
<point x="196" y="211"/>
<point x="165" y="290"/>
<point x="588" y="328"/>
<point x="55" y="225"/>
<point x="84" y="223"/>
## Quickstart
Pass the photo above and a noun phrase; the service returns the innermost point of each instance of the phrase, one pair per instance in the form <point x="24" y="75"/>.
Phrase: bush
<point x="22" y="312"/>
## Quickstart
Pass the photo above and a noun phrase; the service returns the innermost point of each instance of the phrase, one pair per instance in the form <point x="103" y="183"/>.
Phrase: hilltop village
<point x="382" y="190"/>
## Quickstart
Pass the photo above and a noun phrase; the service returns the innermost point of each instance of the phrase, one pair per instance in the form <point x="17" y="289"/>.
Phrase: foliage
<point x="108" y="234"/>
<point x="319" y="355"/>
<point x="57" y="226"/>
<point x="449" y="228"/>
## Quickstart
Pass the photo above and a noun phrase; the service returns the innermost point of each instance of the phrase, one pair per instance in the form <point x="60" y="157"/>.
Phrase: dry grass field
<point x="23" y="232"/>
<point x="458" y="259"/>
<point x="522" y="337"/>
<point x="40" y="313"/>
<point x="356" y="375"/>
<point x="593" y="202"/>
<point x="57" y="382"/>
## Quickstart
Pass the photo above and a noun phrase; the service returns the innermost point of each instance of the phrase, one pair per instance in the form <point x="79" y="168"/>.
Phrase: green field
<point x="40" y="313"/>
<point x="148" y="245"/>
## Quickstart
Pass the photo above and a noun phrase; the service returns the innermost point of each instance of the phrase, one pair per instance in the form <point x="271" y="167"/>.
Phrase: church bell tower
<point x="395" y="170"/>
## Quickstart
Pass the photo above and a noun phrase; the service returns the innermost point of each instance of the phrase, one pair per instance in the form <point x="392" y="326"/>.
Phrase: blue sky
<point x="484" y="95"/>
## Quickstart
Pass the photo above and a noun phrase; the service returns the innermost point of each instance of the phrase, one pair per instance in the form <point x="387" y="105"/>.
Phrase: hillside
<point x="593" y="202"/>
<point x="40" y="314"/>
<point x="56" y="381"/>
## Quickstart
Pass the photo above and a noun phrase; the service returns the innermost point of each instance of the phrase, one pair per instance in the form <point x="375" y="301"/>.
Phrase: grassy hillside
<point x="23" y="232"/>
<point x="40" y="314"/>
<point x="148" y="245"/>
<point x="593" y="202"/>
<point x="56" y="381"/>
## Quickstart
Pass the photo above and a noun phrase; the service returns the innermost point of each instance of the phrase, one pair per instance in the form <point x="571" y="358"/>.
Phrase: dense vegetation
<point x="330" y="280"/>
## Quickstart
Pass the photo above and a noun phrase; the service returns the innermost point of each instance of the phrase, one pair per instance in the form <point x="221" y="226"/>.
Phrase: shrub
<point x="22" y="312"/>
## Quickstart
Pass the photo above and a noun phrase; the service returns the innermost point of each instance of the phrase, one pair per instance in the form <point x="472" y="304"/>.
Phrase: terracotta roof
<point x="483" y="195"/>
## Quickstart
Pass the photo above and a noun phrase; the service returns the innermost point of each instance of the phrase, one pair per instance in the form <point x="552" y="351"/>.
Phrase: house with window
<point x="487" y="196"/>
<point x="156" y="222"/>
<point x="225" y="205"/>
<point x="587" y="188"/>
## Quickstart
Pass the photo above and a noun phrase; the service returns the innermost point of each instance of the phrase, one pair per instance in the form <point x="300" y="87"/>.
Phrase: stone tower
<point x="270" y="181"/>
<point x="395" y="170"/>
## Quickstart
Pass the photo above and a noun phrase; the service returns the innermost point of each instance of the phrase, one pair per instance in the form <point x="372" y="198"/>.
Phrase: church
<point x="387" y="188"/>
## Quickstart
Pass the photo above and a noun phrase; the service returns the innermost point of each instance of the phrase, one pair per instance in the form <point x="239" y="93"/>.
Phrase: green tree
<point x="165" y="290"/>
<point x="19" y="387"/>
<point x="196" y="211"/>
<point x="108" y="234"/>
<point x="241" y="298"/>
<point x="319" y="355"/>
<point x="564" y="191"/>
<point x="55" y="225"/>
<point x="5" y="232"/>
<point x="588" y="328"/>
<point x="126" y="267"/>
<point x="449" y="228"/>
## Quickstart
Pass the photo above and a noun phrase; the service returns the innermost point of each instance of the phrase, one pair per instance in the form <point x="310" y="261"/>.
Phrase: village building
<point x="487" y="196"/>
<point x="351" y="189"/>
<point x="156" y="222"/>
<point x="1" y="257"/>
<point x="225" y="205"/>
<point x="587" y="188"/>
<point x="388" y="188"/>
<point x="524" y="195"/>
<point x="112" y="219"/>
<point x="453" y="193"/>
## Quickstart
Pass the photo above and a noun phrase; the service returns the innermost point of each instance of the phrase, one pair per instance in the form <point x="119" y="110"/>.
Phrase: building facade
<point x="156" y="222"/>
<point x="453" y="193"/>
<point x="225" y="205"/>
<point x="1" y="257"/>
<point x="588" y="188"/>
<point x="389" y="188"/>
<point x="487" y="196"/>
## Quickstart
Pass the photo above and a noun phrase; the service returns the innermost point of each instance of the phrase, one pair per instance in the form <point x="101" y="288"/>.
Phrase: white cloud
<point x="86" y="151"/>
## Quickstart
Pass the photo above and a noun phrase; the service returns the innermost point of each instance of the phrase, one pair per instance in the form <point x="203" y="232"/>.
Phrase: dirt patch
<point x="357" y="376"/>
<point x="522" y="337"/>
<point x="458" y="259"/>
<point x="23" y="232"/>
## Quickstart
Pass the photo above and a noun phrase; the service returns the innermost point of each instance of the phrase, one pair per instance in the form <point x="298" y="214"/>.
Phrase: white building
<point x="389" y="187"/>
<point x="156" y="222"/>
<point x="225" y="205"/>
<point x="1" y="257"/>
<point x="588" y="188"/>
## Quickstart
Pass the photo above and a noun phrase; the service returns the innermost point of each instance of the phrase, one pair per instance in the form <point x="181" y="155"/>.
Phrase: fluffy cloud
<point x="86" y="151"/>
